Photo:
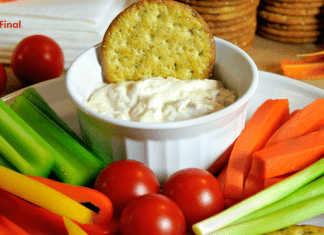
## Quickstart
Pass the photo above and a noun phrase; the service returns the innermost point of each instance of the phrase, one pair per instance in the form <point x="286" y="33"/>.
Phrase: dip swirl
<point x="157" y="100"/>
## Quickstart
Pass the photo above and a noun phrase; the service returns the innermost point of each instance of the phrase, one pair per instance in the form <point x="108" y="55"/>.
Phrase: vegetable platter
<point x="271" y="86"/>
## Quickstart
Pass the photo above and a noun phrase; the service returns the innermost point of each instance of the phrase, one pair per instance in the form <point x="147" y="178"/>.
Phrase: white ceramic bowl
<point x="165" y="147"/>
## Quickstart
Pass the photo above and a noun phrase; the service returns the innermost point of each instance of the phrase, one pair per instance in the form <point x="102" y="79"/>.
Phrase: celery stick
<point x="261" y="199"/>
<point x="30" y="145"/>
<point x="36" y="99"/>
<point x="74" y="164"/>
<point x="10" y="154"/>
<point x="5" y="163"/>
<point x="279" y="219"/>
<point x="308" y="191"/>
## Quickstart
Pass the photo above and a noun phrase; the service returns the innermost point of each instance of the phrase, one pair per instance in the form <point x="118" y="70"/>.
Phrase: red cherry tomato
<point x="37" y="58"/>
<point x="3" y="79"/>
<point x="124" y="180"/>
<point x="197" y="192"/>
<point x="152" y="214"/>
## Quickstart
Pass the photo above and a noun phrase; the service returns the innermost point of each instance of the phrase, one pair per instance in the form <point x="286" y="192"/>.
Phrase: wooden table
<point x="267" y="55"/>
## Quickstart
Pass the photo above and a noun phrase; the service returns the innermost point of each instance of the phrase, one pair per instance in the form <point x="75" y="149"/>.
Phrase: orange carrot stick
<point x="292" y="114"/>
<point x="309" y="68"/>
<point x="221" y="161"/>
<point x="308" y="119"/>
<point x="263" y="123"/>
<point x="288" y="156"/>
<point x="229" y="202"/>
<point x="252" y="185"/>
<point x="222" y="177"/>
<point x="271" y="181"/>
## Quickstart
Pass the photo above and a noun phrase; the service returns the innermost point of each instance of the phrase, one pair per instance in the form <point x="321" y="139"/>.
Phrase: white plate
<point x="271" y="86"/>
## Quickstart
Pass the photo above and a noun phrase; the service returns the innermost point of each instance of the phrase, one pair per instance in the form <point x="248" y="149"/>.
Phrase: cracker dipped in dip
<point x="157" y="57"/>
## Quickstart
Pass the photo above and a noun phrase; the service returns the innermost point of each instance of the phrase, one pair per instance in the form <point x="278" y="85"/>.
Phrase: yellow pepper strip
<point x="44" y="196"/>
<point x="73" y="228"/>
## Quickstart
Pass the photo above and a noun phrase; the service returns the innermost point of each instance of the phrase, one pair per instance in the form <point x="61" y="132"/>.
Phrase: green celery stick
<point x="36" y="99"/>
<point x="266" y="197"/>
<point x="10" y="154"/>
<point x="308" y="191"/>
<point x="5" y="163"/>
<point x="279" y="219"/>
<point x="30" y="145"/>
<point x="74" y="164"/>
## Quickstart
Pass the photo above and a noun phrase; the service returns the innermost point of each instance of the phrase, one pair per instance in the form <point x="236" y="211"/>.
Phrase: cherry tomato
<point x="37" y="58"/>
<point x="197" y="192"/>
<point x="3" y="79"/>
<point x="124" y="180"/>
<point x="152" y="214"/>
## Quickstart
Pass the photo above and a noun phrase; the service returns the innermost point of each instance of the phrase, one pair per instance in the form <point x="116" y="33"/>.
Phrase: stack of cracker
<point x="232" y="20"/>
<point x="291" y="21"/>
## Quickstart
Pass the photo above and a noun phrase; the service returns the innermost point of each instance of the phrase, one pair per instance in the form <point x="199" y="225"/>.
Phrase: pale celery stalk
<point x="37" y="100"/>
<point x="26" y="141"/>
<point x="280" y="219"/>
<point x="260" y="200"/>
<point x="5" y="163"/>
<point x="308" y="191"/>
<point x="22" y="163"/>
<point x="74" y="164"/>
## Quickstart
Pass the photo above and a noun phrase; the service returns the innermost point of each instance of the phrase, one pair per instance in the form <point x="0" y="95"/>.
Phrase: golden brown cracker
<point x="292" y="11"/>
<point x="294" y="5"/>
<point x="245" y="46"/>
<point x="236" y="34"/>
<point x="300" y="1"/>
<point x="290" y="33"/>
<point x="243" y="38"/>
<point x="187" y="1"/>
<point x="224" y="9"/>
<point x="213" y="3"/>
<point x="232" y="22"/>
<point x="286" y="19"/>
<point x="230" y="16"/>
<point x="287" y="39"/>
<point x="233" y="27"/>
<point x="157" y="38"/>
<point x="299" y="230"/>
<point x="319" y="26"/>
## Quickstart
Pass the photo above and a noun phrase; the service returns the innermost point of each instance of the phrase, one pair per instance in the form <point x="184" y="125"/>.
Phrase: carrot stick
<point x="253" y="184"/>
<point x="229" y="202"/>
<point x="308" y="119"/>
<point x="288" y="156"/>
<point x="312" y="71"/>
<point x="222" y="177"/>
<point x="292" y="114"/>
<point x="221" y="161"/>
<point x="271" y="181"/>
<point x="310" y="68"/>
<point x="263" y="123"/>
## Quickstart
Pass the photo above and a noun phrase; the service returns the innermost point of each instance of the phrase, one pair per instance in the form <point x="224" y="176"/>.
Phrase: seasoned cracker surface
<point x="157" y="38"/>
<point x="300" y="230"/>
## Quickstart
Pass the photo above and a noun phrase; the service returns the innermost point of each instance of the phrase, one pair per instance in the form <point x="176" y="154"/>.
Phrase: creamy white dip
<point x="157" y="100"/>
